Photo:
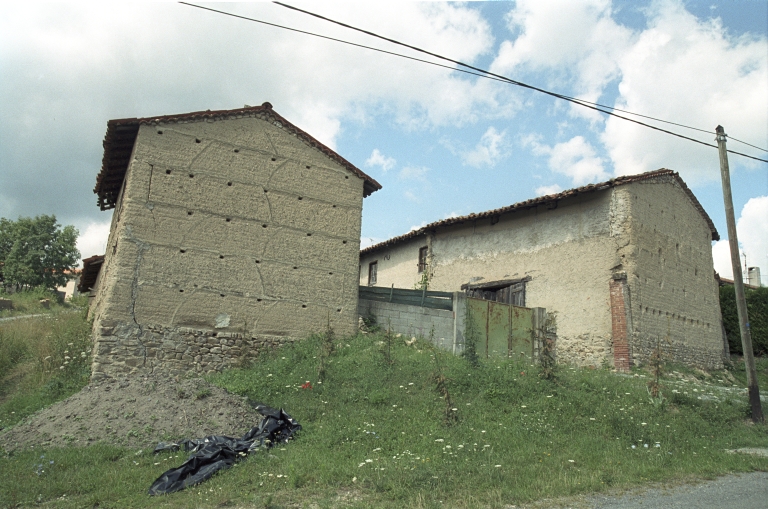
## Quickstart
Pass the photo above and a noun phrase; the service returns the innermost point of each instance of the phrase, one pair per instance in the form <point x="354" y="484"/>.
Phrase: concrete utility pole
<point x="738" y="282"/>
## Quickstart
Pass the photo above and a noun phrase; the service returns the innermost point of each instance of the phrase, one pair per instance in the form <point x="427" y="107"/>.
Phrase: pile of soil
<point x="136" y="412"/>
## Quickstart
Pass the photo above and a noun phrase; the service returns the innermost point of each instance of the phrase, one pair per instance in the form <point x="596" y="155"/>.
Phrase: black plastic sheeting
<point x="214" y="453"/>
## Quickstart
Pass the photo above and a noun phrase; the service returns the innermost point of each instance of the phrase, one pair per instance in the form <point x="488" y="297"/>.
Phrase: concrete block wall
<point x="412" y="321"/>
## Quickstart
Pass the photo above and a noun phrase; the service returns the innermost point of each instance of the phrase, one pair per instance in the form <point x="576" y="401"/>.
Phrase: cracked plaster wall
<point x="229" y="237"/>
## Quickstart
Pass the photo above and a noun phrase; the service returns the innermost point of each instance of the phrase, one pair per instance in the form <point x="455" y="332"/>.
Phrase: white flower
<point x="369" y="461"/>
<point x="571" y="461"/>
<point x="497" y="466"/>
<point x="633" y="446"/>
<point x="377" y="449"/>
<point x="591" y="418"/>
<point x="439" y="440"/>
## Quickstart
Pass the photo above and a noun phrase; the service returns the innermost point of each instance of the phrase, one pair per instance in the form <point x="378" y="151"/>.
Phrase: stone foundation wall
<point x="131" y="349"/>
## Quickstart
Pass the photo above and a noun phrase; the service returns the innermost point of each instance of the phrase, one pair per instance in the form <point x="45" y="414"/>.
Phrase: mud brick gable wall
<point x="229" y="236"/>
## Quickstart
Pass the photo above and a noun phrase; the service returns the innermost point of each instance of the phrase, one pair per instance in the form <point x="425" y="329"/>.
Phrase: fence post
<point x="459" y="319"/>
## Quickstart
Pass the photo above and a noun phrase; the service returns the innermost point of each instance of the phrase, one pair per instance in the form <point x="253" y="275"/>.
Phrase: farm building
<point x="232" y="231"/>
<point x="624" y="264"/>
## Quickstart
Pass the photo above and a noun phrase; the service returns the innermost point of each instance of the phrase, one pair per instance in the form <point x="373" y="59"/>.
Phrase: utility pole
<point x="738" y="282"/>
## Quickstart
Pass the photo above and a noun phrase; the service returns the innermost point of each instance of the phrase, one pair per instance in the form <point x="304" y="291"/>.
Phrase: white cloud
<point x="575" y="158"/>
<point x="418" y="173"/>
<point x="379" y="159"/>
<point x="752" y="229"/>
<point x="547" y="190"/>
<point x="489" y="150"/>
<point x="418" y="226"/>
<point x="678" y="68"/>
<point x="82" y="64"/>
<point x="93" y="238"/>
<point x="688" y="70"/>
<point x="572" y="41"/>
<point x="369" y="241"/>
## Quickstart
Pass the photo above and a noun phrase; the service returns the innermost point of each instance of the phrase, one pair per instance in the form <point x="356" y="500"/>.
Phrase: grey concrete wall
<point x="413" y="321"/>
<point x="668" y="261"/>
<point x="233" y="227"/>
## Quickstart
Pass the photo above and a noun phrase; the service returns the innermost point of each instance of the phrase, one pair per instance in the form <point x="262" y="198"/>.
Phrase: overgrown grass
<point x="42" y="360"/>
<point x="376" y="434"/>
<point x="28" y="303"/>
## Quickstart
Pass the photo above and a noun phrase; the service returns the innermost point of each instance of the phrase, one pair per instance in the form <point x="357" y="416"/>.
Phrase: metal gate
<point x="501" y="329"/>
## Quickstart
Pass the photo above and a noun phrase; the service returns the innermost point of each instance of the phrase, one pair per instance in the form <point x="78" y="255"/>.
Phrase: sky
<point x="441" y="142"/>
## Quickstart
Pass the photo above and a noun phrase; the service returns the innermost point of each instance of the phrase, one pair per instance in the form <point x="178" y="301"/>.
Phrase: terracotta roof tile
<point x="121" y="135"/>
<point x="534" y="202"/>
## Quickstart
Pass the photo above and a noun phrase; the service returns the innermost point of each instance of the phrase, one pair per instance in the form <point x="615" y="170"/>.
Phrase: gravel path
<point x="745" y="491"/>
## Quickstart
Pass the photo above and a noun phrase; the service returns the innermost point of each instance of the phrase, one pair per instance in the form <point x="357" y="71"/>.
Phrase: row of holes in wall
<point x="221" y="257"/>
<point x="674" y="316"/>
<point x="229" y="184"/>
<point x="303" y="306"/>
<point x="198" y="140"/>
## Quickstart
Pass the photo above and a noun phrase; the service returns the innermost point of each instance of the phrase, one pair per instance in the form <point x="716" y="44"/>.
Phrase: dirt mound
<point x="135" y="412"/>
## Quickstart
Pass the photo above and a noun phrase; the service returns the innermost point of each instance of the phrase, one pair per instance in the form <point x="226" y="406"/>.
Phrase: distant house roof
<point x="121" y="135"/>
<point x="534" y="202"/>
<point x="91" y="268"/>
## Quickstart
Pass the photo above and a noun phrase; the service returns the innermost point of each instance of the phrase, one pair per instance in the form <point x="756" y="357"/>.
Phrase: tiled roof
<point x="534" y="202"/>
<point x="121" y="135"/>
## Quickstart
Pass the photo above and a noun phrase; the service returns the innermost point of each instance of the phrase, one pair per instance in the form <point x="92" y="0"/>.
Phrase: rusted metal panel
<point x="498" y="329"/>
<point x="501" y="329"/>
<point x="521" y="337"/>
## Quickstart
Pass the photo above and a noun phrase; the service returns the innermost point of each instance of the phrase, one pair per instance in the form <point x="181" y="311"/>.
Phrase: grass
<point x="377" y="432"/>
<point x="42" y="359"/>
<point x="28" y="303"/>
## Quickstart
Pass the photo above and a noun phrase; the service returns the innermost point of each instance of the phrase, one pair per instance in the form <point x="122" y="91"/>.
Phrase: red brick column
<point x="621" y="354"/>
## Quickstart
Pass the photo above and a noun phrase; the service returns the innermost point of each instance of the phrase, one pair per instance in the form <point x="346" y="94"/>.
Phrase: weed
<point x="327" y="347"/>
<point x="471" y="338"/>
<point x="203" y="393"/>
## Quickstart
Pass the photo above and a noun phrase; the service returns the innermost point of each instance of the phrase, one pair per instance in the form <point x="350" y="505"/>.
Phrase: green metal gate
<point x="501" y="329"/>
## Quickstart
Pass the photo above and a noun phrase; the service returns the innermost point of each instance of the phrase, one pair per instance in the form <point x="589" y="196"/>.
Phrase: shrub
<point x="757" y="309"/>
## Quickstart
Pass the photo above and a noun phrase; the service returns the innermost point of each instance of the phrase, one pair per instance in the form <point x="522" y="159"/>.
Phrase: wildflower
<point x="497" y="466"/>
<point x="591" y="418"/>
<point x="571" y="461"/>
<point x="61" y="367"/>
<point x="306" y="385"/>
<point x="440" y="440"/>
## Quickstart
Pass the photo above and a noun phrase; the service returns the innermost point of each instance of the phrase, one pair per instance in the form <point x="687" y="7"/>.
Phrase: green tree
<point x="37" y="252"/>
<point x="757" y="309"/>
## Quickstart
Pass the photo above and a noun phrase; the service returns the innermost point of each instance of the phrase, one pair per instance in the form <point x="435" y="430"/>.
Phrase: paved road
<point x="744" y="491"/>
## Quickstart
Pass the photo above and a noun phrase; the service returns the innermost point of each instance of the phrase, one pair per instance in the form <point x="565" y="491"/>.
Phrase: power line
<point x="474" y="70"/>
<point x="581" y="102"/>
<point x="509" y="80"/>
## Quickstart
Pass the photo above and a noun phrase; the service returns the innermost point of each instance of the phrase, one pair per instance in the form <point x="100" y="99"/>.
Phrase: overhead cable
<point x="587" y="104"/>
<point x="474" y="70"/>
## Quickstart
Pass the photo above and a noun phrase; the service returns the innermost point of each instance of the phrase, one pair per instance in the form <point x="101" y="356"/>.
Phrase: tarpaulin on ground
<point x="214" y="453"/>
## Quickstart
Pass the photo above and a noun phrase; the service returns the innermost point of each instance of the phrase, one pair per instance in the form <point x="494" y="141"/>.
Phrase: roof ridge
<point x="533" y="202"/>
<point x="121" y="136"/>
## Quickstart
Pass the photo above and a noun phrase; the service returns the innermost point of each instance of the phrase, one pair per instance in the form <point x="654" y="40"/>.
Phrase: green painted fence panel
<point x="501" y="329"/>
<point x="497" y="329"/>
<point x="521" y="339"/>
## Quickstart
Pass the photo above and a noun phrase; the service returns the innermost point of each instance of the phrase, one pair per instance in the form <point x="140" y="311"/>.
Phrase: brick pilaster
<point x="621" y="354"/>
